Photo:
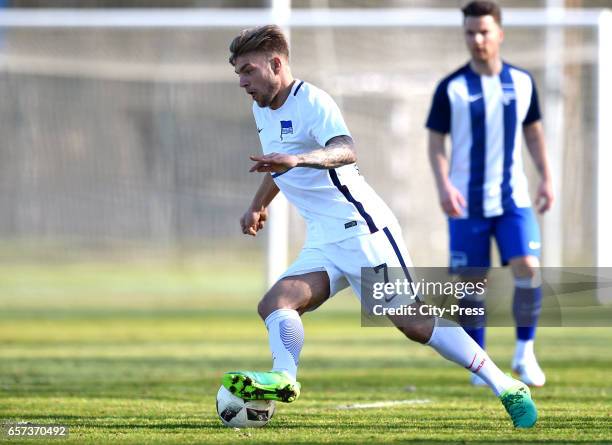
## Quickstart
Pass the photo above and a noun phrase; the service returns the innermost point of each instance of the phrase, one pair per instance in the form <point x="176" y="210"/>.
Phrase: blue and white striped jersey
<point x="337" y="203"/>
<point x="484" y="116"/>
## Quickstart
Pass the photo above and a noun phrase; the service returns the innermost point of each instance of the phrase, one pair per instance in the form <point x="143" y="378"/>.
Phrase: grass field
<point x="134" y="354"/>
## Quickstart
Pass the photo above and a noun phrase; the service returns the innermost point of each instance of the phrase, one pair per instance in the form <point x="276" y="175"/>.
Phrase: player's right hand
<point x="452" y="201"/>
<point x="253" y="221"/>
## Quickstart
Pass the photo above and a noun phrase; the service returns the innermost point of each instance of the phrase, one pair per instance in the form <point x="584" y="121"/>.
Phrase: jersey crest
<point x="286" y="128"/>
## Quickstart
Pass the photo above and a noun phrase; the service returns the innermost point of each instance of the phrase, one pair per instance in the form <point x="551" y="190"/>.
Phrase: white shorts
<point x="344" y="261"/>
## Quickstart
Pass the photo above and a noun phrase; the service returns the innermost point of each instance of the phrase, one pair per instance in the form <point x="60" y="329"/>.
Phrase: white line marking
<point x="384" y="404"/>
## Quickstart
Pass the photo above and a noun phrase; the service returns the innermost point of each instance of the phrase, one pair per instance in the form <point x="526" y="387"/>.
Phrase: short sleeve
<point x="439" y="118"/>
<point x="533" y="112"/>
<point x="326" y="121"/>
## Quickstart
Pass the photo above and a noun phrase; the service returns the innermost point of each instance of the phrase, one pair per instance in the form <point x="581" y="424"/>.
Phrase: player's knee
<point x="419" y="331"/>
<point x="524" y="265"/>
<point x="266" y="306"/>
<point x="526" y="269"/>
<point x="262" y="309"/>
<point x="415" y="333"/>
<point x="272" y="301"/>
<point x="527" y="272"/>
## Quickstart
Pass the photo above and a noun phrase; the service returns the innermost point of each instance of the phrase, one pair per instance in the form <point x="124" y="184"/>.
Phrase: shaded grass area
<point x="117" y="362"/>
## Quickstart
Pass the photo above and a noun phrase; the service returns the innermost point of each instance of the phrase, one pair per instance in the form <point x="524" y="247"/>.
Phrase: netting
<point x="119" y="140"/>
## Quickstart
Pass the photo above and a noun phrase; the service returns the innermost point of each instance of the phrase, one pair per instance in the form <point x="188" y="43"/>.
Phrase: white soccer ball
<point x="238" y="413"/>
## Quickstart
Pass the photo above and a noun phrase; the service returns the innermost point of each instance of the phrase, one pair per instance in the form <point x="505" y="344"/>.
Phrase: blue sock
<point x="474" y="325"/>
<point x="526" y="308"/>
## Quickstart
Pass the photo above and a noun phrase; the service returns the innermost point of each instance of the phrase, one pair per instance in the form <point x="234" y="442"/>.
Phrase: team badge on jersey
<point x="508" y="93"/>
<point x="286" y="128"/>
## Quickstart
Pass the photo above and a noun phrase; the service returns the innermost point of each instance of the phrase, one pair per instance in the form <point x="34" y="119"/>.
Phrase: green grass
<point x="129" y="354"/>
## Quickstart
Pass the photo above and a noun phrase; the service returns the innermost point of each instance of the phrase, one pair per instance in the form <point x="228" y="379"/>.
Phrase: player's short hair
<point x="268" y="39"/>
<point x="479" y="8"/>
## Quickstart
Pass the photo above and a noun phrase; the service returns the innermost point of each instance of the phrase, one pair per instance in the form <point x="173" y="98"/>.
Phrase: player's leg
<point x="470" y="259"/>
<point x="307" y="284"/>
<point x="281" y="308"/>
<point x="474" y="303"/>
<point x="446" y="337"/>
<point x="526" y="307"/>
<point x="518" y="237"/>
<point x="452" y="342"/>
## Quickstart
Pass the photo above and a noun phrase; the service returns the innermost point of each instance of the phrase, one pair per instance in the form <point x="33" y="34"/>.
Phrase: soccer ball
<point x="238" y="413"/>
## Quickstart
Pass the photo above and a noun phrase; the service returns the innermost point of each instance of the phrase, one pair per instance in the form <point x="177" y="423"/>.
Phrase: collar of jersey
<point x="296" y="82"/>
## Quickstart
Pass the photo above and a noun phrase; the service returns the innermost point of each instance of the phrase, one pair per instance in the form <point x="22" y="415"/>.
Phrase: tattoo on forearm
<point x="337" y="152"/>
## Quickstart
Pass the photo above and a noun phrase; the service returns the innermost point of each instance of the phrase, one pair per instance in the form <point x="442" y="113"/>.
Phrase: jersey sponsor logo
<point x="286" y="128"/>
<point x="348" y="225"/>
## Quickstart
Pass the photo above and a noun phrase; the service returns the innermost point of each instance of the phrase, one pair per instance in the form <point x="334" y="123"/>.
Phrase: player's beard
<point x="265" y="98"/>
<point x="486" y="55"/>
<point x="481" y="56"/>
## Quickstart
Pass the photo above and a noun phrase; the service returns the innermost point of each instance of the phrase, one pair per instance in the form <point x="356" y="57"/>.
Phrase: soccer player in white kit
<point x="308" y="155"/>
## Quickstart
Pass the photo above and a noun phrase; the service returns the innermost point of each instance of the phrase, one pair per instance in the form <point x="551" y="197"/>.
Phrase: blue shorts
<point x="516" y="232"/>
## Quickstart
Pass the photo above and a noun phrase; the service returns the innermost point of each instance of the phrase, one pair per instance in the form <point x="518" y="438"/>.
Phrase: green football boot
<point x="270" y="385"/>
<point x="518" y="403"/>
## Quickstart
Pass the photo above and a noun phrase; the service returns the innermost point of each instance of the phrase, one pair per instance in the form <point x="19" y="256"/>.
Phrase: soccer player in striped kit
<point x="487" y="106"/>
<point x="309" y="156"/>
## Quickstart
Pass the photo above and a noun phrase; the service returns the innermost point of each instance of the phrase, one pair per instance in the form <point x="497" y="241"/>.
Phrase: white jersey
<point x="337" y="203"/>
<point x="485" y="116"/>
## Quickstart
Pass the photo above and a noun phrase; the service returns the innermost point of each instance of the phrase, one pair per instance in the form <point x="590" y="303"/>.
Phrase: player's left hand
<point x="273" y="163"/>
<point x="545" y="196"/>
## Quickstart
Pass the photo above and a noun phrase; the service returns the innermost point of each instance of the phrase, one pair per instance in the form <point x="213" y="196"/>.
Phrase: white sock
<point x="524" y="351"/>
<point x="454" y="344"/>
<point x="286" y="336"/>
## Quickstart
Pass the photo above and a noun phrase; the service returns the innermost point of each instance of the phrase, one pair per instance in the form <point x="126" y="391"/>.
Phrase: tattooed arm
<point x="338" y="151"/>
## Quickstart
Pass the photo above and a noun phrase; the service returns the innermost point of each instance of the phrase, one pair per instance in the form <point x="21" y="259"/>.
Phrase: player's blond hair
<point x="268" y="39"/>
